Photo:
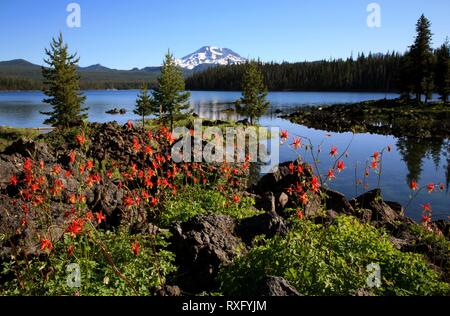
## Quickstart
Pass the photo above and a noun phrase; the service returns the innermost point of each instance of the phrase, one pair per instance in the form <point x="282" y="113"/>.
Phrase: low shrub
<point x="332" y="260"/>
<point x="112" y="263"/>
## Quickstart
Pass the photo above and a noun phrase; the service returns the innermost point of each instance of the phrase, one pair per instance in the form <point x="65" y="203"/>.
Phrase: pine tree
<point x="253" y="103"/>
<point x="144" y="104"/>
<point x="422" y="59"/>
<point x="405" y="82"/>
<point x="442" y="71"/>
<point x="170" y="99"/>
<point x="61" y="85"/>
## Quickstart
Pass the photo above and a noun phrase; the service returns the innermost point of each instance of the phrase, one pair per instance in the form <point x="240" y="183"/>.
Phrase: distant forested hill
<point x="375" y="72"/>
<point x="22" y="75"/>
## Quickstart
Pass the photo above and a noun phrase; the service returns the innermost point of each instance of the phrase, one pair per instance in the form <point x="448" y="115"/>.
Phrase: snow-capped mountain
<point x="210" y="55"/>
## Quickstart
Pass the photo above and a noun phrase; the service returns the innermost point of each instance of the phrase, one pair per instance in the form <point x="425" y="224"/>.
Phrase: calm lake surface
<point x="423" y="160"/>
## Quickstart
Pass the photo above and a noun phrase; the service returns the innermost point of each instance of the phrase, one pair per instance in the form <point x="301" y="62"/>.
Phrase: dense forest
<point x="7" y="83"/>
<point x="374" y="72"/>
<point x="11" y="84"/>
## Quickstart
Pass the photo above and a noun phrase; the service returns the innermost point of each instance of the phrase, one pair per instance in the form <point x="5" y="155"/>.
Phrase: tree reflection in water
<point x="414" y="150"/>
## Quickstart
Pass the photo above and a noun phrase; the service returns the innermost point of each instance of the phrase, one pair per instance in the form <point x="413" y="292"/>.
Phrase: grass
<point x="206" y="123"/>
<point x="10" y="134"/>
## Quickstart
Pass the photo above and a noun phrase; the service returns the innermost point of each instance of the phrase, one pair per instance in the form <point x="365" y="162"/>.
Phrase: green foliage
<point x="332" y="261"/>
<point x="62" y="86"/>
<point x="442" y="71"/>
<point x="194" y="200"/>
<point x="253" y="102"/>
<point x="10" y="134"/>
<point x="144" y="272"/>
<point x="170" y="100"/>
<point x="143" y="104"/>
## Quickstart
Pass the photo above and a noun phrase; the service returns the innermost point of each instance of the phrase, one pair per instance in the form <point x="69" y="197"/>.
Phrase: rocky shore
<point x="385" y="117"/>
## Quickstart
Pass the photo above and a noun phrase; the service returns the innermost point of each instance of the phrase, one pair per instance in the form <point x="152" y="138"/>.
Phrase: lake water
<point x="423" y="160"/>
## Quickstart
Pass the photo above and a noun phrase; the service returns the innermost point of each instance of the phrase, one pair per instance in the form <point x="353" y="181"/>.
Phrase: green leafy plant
<point x="194" y="200"/>
<point x="332" y="261"/>
<point x="113" y="263"/>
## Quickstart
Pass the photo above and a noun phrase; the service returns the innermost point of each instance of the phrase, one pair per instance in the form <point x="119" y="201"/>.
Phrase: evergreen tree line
<point x="374" y="72"/>
<point x="10" y="83"/>
<point x="19" y="84"/>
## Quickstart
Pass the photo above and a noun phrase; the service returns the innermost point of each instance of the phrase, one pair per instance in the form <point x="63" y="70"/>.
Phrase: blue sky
<point x="137" y="33"/>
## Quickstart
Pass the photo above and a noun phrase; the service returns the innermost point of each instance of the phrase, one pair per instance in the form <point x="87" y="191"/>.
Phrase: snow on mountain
<point x="210" y="55"/>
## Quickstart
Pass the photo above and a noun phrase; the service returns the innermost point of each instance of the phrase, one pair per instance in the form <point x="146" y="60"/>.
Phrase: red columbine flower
<point x="28" y="165"/>
<point x="72" y="157"/>
<point x="426" y="207"/>
<point x="46" y="245"/>
<point x="315" y="185"/>
<point x="304" y="198"/>
<point x="331" y="175"/>
<point x="13" y="181"/>
<point x="376" y="155"/>
<point x="56" y="169"/>
<point x="299" y="214"/>
<point x="333" y="151"/>
<point x="100" y="217"/>
<point x="148" y="150"/>
<point x="153" y="201"/>
<point x="236" y="199"/>
<point x="135" y="247"/>
<point x="340" y="166"/>
<point x="413" y="185"/>
<point x="284" y="135"/>
<point x="89" y="165"/>
<point x="374" y="164"/>
<point x="80" y="139"/>
<point x="430" y="187"/>
<point x="426" y="219"/>
<point x="128" y="201"/>
<point x="297" y="143"/>
<point x="72" y="199"/>
<point x="136" y="145"/>
<point x="89" y="216"/>
<point x="130" y="124"/>
<point x="76" y="227"/>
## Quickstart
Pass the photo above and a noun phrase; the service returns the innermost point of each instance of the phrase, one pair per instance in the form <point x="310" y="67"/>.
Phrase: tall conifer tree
<point x="144" y="105"/>
<point x="62" y="87"/>
<point x="422" y="59"/>
<point x="170" y="99"/>
<point x="253" y="103"/>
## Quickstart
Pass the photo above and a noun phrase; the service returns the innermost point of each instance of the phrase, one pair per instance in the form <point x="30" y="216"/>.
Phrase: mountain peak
<point x="210" y="55"/>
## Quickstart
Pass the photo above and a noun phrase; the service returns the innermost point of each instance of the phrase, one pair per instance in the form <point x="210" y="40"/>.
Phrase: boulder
<point x="280" y="180"/>
<point x="31" y="149"/>
<point x="265" y="202"/>
<point x="168" y="290"/>
<point x="201" y="245"/>
<point x="268" y="224"/>
<point x="8" y="168"/>
<point x="382" y="213"/>
<point x="337" y="202"/>
<point x="276" y="286"/>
